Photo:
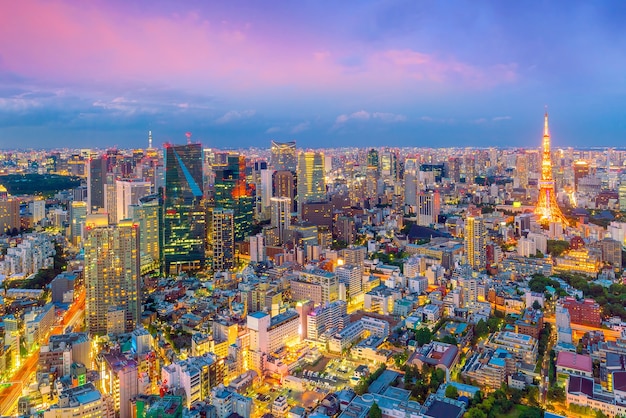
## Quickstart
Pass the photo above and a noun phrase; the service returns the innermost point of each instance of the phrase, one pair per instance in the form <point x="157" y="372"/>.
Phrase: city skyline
<point x="359" y="74"/>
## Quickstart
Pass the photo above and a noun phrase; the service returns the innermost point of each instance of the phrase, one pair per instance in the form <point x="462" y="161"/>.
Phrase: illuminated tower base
<point x="547" y="209"/>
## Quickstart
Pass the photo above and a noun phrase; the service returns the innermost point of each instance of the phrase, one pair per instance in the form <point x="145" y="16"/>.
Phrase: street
<point x="10" y="395"/>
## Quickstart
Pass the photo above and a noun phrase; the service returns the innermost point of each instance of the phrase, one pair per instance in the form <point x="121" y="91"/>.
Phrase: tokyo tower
<point x="547" y="209"/>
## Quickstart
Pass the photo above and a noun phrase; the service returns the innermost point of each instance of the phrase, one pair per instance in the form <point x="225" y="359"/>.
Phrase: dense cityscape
<point x="351" y="282"/>
<point x="312" y="209"/>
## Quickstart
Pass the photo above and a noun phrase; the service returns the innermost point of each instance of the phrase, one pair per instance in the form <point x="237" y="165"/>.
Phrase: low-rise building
<point x="522" y="347"/>
<point x="437" y="354"/>
<point x="227" y="402"/>
<point x="531" y="323"/>
<point x="568" y="363"/>
<point x="195" y="375"/>
<point x="489" y="368"/>
<point x="81" y="401"/>
<point x="582" y="391"/>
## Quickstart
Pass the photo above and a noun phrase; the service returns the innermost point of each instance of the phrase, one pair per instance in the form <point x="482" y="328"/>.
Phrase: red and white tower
<point x="547" y="209"/>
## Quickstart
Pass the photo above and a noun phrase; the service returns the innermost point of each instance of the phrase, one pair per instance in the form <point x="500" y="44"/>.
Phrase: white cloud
<point x="389" y="117"/>
<point x="301" y="127"/>
<point x="499" y="118"/>
<point x="430" y="119"/>
<point x="18" y="104"/>
<point x="365" y="115"/>
<point x="272" y="130"/>
<point x="235" y="115"/>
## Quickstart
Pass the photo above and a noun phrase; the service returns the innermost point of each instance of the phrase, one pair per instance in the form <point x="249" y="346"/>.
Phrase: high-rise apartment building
<point x="352" y="276"/>
<point x="280" y="215"/>
<point x="283" y="156"/>
<point x="311" y="180"/>
<point x="112" y="276"/>
<point x="428" y="207"/>
<point x="222" y="239"/>
<point x="475" y="242"/>
<point x="9" y="214"/>
<point x="521" y="170"/>
<point x="148" y="213"/>
<point x="257" y="248"/>
<point x="37" y="209"/>
<point x="184" y="214"/>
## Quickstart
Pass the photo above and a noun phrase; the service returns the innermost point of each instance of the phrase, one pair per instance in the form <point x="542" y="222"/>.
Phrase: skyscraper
<point x="372" y="158"/>
<point x="280" y="215"/>
<point x="475" y="242"/>
<point x="222" y="239"/>
<point x="78" y="214"/>
<point x="428" y="207"/>
<point x="388" y="164"/>
<point x="284" y="185"/>
<point x="283" y="156"/>
<point x="96" y="180"/>
<point x="311" y="180"/>
<point x="149" y="215"/>
<point x="547" y="209"/>
<point x="184" y="215"/>
<point x="111" y="274"/>
<point x="128" y="192"/>
<point x="521" y="169"/>
<point x="231" y="191"/>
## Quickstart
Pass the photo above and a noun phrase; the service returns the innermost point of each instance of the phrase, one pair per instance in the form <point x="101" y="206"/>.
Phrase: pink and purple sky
<point x="323" y="73"/>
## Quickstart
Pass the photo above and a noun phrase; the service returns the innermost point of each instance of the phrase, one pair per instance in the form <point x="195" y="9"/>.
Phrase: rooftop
<point x="579" y="384"/>
<point x="619" y="381"/>
<point x="442" y="409"/>
<point x="574" y="361"/>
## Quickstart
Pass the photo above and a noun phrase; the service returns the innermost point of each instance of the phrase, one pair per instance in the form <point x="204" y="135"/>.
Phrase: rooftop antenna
<point x="149" y="139"/>
<point x="188" y="135"/>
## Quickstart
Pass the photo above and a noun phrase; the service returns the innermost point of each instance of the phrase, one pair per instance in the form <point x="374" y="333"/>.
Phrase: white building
<point x="195" y="375"/>
<point x="257" y="248"/>
<point x="268" y="334"/>
<point x="38" y="322"/>
<point x="81" y="401"/>
<point x="35" y="252"/>
<point x="351" y="275"/>
<point x="324" y="318"/>
<point x="526" y="247"/>
<point x="37" y="209"/>
<point x="355" y="331"/>
<point x="128" y="192"/>
<point x="227" y="401"/>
